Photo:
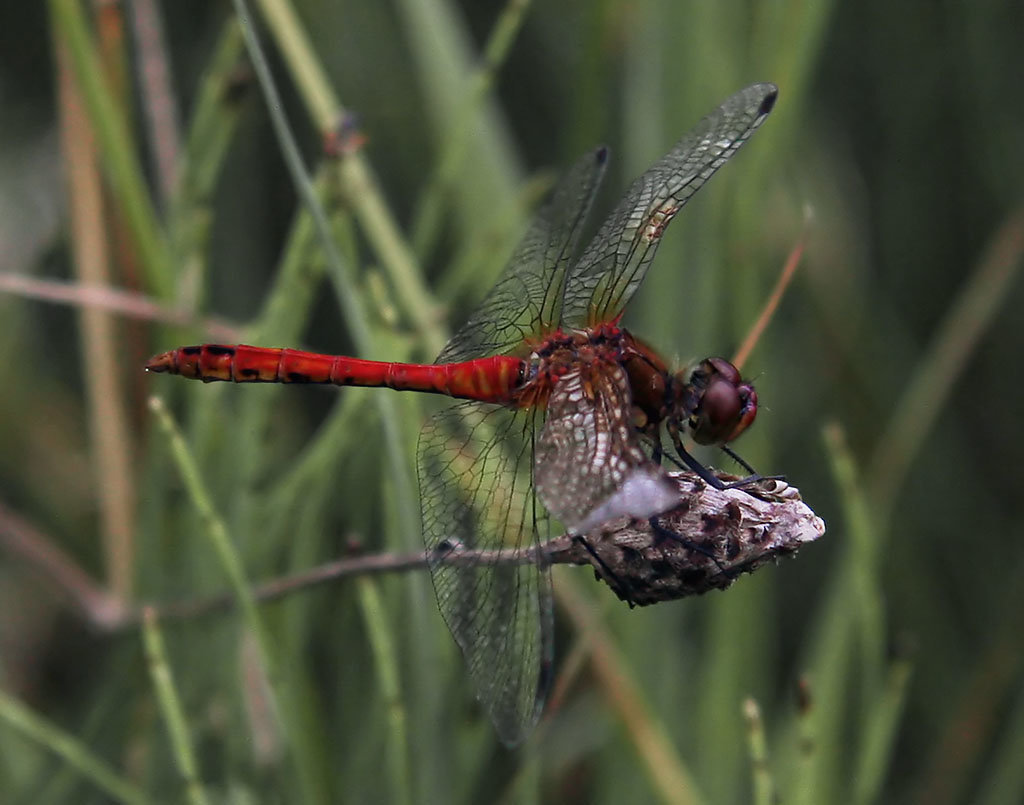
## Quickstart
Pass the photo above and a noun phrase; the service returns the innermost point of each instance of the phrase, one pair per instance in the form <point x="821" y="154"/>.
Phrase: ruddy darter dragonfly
<point x="558" y="401"/>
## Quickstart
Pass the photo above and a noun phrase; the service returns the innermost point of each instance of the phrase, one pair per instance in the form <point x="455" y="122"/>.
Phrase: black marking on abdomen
<point x="217" y="349"/>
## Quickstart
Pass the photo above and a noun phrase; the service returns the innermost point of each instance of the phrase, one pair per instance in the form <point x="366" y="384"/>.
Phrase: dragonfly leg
<point x="709" y="477"/>
<point x="620" y="586"/>
<point x="753" y="473"/>
<point x="738" y="459"/>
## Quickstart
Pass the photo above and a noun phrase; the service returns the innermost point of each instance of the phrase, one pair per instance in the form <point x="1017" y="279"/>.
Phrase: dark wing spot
<point x="769" y="101"/>
<point x="448" y="545"/>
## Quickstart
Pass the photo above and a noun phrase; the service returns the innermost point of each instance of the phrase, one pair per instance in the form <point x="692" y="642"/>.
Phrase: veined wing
<point x="476" y="495"/>
<point x="476" y="492"/>
<point x="614" y="264"/>
<point x="526" y="300"/>
<point x="590" y="466"/>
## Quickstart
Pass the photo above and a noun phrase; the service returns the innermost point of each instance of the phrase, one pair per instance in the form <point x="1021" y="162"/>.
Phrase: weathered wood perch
<point x="705" y="543"/>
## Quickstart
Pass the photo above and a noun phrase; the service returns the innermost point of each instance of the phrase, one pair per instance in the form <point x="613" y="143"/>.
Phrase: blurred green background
<point x="885" y="661"/>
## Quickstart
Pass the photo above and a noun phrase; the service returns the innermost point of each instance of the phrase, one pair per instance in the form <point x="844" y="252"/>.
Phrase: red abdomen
<point x="491" y="379"/>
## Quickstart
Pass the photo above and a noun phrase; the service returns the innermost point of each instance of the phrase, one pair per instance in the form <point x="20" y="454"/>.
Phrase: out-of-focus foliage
<point x="887" y="380"/>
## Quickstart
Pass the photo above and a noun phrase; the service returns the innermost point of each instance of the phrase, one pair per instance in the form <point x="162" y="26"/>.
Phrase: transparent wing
<point x="526" y="300"/>
<point x="476" y="495"/>
<point x="600" y="284"/>
<point x="590" y="466"/>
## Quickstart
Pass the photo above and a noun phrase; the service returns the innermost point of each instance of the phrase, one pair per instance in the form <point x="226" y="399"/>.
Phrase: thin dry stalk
<point x="110" y="434"/>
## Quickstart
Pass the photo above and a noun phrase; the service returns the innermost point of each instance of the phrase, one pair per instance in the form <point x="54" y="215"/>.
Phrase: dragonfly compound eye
<point x="727" y="404"/>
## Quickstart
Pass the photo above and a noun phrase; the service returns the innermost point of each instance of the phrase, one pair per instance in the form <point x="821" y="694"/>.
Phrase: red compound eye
<point x="726" y="404"/>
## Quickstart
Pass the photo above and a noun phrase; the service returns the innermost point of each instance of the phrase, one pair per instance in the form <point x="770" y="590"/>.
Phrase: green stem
<point x="431" y="206"/>
<point x="72" y="751"/>
<point x="380" y="634"/>
<point x="170" y="706"/>
<point x="357" y="179"/>
<point x="116" y="147"/>
<point x="217" y="534"/>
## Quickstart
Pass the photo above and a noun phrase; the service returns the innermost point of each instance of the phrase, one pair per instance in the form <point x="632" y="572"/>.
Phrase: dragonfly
<point x="560" y="410"/>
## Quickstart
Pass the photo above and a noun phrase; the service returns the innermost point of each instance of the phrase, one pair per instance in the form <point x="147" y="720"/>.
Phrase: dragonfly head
<point x="714" y="402"/>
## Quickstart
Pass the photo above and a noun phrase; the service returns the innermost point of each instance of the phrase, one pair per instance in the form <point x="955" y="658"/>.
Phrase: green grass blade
<point x="932" y="383"/>
<point x="848" y="641"/>
<point x="210" y="133"/>
<point x="170" y="707"/>
<point x="382" y="641"/>
<point x="357" y="180"/>
<point x="1003" y="780"/>
<point x="217" y="535"/>
<point x="763" y="792"/>
<point x="430" y="208"/>
<point x="75" y="753"/>
<point x="116" y="147"/>
<point x="667" y="773"/>
<point x="880" y="731"/>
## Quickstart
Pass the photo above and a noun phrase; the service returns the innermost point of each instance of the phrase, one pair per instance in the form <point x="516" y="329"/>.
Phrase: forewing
<point x="476" y="495"/>
<point x="526" y="300"/>
<point x="600" y="284"/>
<point x="590" y="466"/>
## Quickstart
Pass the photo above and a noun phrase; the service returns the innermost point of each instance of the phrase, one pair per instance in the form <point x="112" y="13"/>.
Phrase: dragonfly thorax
<point x="566" y="350"/>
